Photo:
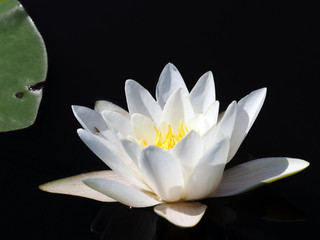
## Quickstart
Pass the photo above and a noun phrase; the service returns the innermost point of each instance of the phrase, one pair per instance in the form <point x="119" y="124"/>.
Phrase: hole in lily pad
<point x="19" y="95"/>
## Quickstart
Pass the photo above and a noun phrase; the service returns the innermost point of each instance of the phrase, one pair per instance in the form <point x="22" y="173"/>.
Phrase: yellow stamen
<point x="170" y="139"/>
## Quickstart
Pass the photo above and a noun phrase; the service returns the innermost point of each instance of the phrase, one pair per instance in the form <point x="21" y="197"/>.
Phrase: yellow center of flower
<point x="168" y="140"/>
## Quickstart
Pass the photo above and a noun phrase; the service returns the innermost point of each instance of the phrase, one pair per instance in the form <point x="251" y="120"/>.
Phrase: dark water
<point x="94" y="46"/>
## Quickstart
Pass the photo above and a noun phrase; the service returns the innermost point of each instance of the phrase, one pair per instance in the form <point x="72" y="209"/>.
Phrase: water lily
<point x="171" y="152"/>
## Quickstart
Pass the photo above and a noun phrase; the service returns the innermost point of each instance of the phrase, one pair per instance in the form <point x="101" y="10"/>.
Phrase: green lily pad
<point x="23" y="65"/>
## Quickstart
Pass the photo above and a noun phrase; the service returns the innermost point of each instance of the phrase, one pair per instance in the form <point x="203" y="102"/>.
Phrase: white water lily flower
<point x="170" y="151"/>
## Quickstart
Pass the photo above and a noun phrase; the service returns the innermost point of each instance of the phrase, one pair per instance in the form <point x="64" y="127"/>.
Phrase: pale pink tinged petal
<point x="143" y="128"/>
<point x="117" y="122"/>
<point x="224" y="127"/>
<point x="203" y="93"/>
<point x="188" y="151"/>
<point x="74" y="185"/>
<point x="212" y="113"/>
<point x="170" y="80"/>
<point x="247" y="111"/>
<point x="198" y="123"/>
<point x="109" y="154"/>
<point x="124" y="194"/>
<point x="89" y="119"/>
<point x="178" y="108"/>
<point x="162" y="173"/>
<point x="252" y="174"/>
<point x="139" y="100"/>
<point x="102" y="105"/>
<point x="207" y="174"/>
<point x="183" y="214"/>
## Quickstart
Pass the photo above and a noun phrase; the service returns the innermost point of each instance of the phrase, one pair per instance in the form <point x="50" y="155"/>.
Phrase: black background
<point x="94" y="46"/>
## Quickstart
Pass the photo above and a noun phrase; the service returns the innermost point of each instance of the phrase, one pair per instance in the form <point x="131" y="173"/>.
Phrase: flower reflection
<point x="226" y="218"/>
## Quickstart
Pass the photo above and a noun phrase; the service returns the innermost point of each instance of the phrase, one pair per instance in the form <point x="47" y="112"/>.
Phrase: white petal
<point x="252" y="174"/>
<point x="132" y="148"/>
<point x="226" y="125"/>
<point x="116" y="121"/>
<point x="212" y="113"/>
<point x="178" y="108"/>
<point x="223" y="129"/>
<point x="143" y="128"/>
<point x="109" y="154"/>
<point x="183" y="214"/>
<point x="247" y="112"/>
<point x="188" y="151"/>
<point x="198" y="123"/>
<point x="207" y="174"/>
<point x="169" y="81"/>
<point x="122" y="193"/>
<point x="162" y="173"/>
<point x="139" y="100"/>
<point x="203" y="93"/>
<point x="74" y="185"/>
<point x="89" y="119"/>
<point x="101" y="106"/>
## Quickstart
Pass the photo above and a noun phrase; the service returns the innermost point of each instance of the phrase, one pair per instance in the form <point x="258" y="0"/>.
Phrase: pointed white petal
<point x="122" y="193"/>
<point x="75" y="187"/>
<point x="89" y="119"/>
<point x="139" y="100"/>
<point x="207" y="174"/>
<point x="212" y="113"/>
<point x="117" y="122"/>
<point x="169" y="81"/>
<point x="143" y="128"/>
<point x="252" y="174"/>
<point x="183" y="214"/>
<point x="101" y="106"/>
<point x="247" y="112"/>
<point x="203" y="93"/>
<point x="178" y="108"/>
<point x="162" y="173"/>
<point x="188" y="151"/>
<point x="224" y="127"/>
<point x="109" y="154"/>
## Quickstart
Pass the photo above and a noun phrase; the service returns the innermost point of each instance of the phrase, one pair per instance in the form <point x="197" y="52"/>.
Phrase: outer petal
<point x="139" y="100"/>
<point x="207" y="174"/>
<point x="247" y="112"/>
<point x="122" y="193"/>
<point x="108" y="153"/>
<point x="101" y="106"/>
<point x="169" y="81"/>
<point x="116" y="121"/>
<point x="188" y="151"/>
<point x="178" y="108"/>
<point x="162" y="173"/>
<point x="74" y="185"/>
<point x="183" y="214"/>
<point x="89" y="119"/>
<point x="203" y="93"/>
<point x="252" y="174"/>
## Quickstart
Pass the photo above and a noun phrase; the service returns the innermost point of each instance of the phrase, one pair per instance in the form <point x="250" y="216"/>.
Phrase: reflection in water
<point x="223" y="219"/>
